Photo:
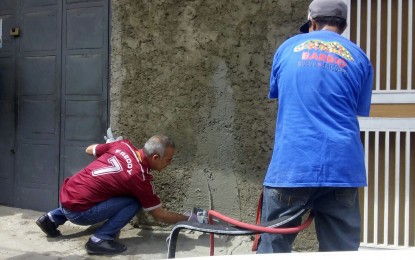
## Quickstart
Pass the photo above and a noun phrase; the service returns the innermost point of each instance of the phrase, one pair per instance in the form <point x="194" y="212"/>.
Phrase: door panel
<point x="86" y="27"/>
<point x="83" y="120"/>
<point x="37" y="154"/>
<point x="40" y="30"/>
<point x="7" y="104"/>
<point x="36" y="171"/>
<point x="39" y="75"/>
<point x="37" y="3"/>
<point x="6" y="149"/>
<point x="37" y="120"/>
<point x="84" y="74"/>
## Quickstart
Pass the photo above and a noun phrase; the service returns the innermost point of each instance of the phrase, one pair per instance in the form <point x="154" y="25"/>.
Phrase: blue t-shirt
<point x="323" y="82"/>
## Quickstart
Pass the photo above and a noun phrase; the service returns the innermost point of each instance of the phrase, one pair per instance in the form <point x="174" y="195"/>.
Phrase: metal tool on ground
<point x="233" y="227"/>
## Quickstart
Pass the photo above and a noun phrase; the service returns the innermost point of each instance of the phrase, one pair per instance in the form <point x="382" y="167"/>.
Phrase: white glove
<point x="197" y="215"/>
<point x="110" y="138"/>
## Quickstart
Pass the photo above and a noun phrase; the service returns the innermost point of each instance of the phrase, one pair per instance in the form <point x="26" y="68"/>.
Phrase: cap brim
<point x="305" y="27"/>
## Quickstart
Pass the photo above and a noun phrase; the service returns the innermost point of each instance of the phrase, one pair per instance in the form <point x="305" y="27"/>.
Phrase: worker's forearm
<point x="172" y="218"/>
<point x="168" y="217"/>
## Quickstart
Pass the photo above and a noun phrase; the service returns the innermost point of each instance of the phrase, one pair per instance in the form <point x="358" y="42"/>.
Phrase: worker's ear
<point x="155" y="157"/>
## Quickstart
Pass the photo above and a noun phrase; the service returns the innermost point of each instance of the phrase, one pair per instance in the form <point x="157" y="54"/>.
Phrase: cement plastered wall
<point x="198" y="71"/>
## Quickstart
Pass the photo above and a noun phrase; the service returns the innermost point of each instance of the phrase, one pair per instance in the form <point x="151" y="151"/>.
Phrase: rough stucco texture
<point x="198" y="71"/>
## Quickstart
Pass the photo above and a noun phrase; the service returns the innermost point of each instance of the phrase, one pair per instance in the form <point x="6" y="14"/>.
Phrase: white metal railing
<point x="388" y="213"/>
<point x="393" y="54"/>
<point x="388" y="208"/>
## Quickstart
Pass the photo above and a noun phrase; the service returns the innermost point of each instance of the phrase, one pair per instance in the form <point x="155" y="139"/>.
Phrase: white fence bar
<point x="397" y="188"/>
<point x="410" y="50"/>
<point x="386" y="124"/>
<point x="393" y="97"/>
<point x="366" y="194"/>
<point x="407" y="186"/>
<point x="368" y="27"/>
<point x="358" y="22"/>
<point x="378" y="43"/>
<point x="346" y="32"/>
<point x="376" y="190"/>
<point x="386" y="196"/>
<point x="399" y="48"/>
<point x="389" y="46"/>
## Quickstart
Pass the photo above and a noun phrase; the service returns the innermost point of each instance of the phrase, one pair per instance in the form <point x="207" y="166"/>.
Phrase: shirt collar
<point x="142" y="158"/>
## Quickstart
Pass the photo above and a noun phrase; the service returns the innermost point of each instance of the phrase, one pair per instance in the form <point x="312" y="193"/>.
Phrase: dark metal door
<point x="57" y="103"/>
<point x="38" y="97"/>
<point x="7" y="102"/>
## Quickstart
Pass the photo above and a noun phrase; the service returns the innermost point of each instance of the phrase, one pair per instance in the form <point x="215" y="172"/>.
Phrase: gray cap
<point x="325" y="8"/>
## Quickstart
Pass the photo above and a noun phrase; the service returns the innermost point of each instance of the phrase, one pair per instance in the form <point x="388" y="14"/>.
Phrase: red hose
<point x="287" y="230"/>
<point x="258" y="221"/>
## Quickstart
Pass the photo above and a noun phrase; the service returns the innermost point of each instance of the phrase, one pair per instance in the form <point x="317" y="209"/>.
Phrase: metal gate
<point x="389" y="200"/>
<point x="54" y="77"/>
<point x="385" y="30"/>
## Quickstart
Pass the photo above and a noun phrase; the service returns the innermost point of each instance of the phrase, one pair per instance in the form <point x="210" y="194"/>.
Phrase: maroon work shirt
<point x="119" y="170"/>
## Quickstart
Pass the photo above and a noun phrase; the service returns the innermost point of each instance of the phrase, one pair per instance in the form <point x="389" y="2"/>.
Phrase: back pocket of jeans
<point x="292" y="196"/>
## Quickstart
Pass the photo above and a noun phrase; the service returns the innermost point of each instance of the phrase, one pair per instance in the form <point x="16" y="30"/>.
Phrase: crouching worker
<point x="113" y="188"/>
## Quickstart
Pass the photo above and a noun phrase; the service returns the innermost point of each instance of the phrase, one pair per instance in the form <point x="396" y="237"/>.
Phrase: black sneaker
<point x="48" y="226"/>
<point x="104" y="247"/>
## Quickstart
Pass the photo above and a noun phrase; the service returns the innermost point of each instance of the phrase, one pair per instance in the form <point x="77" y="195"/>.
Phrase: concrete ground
<point x="21" y="238"/>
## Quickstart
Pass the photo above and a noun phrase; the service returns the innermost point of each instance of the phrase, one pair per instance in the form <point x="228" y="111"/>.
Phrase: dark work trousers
<point x="116" y="212"/>
<point x="336" y="215"/>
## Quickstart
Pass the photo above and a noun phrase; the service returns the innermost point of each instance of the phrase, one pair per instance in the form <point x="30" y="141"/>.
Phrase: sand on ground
<point x="21" y="238"/>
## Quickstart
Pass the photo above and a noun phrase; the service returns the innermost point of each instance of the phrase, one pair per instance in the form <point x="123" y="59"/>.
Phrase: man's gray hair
<point x="157" y="144"/>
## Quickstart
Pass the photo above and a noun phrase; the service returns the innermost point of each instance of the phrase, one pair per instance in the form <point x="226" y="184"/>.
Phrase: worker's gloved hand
<point x="197" y="215"/>
<point x="109" y="138"/>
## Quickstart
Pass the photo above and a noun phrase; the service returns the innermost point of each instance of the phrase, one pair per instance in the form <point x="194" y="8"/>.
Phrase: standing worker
<point x="113" y="188"/>
<point x="323" y="82"/>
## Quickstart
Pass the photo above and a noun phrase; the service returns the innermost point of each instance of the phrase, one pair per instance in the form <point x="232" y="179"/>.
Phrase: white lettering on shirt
<point x="127" y="160"/>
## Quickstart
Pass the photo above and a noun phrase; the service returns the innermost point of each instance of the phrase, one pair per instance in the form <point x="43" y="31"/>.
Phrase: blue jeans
<point x="336" y="217"/>
<point x="116" y="212"/>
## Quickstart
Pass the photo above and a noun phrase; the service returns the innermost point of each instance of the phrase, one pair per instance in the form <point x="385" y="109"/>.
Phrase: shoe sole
<point x="91" y="252"/>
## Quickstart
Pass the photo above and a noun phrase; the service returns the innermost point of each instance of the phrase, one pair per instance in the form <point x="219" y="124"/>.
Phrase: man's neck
<point x="331" y="28"/>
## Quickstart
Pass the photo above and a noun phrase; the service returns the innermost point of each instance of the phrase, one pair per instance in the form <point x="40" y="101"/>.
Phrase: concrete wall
<point x="198" y="71"/>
